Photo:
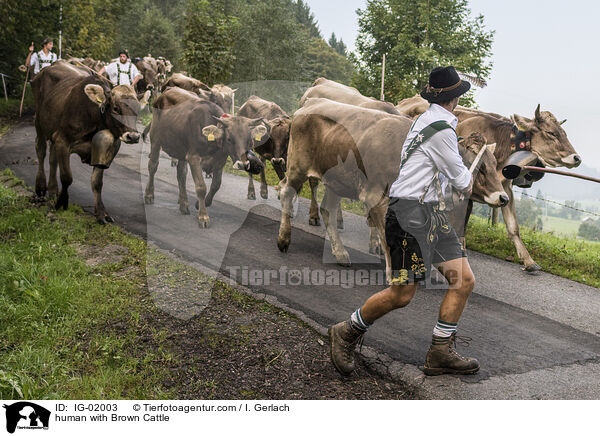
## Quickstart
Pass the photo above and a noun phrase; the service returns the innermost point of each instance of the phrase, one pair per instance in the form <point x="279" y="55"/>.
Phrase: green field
<point x="561" y="226"/>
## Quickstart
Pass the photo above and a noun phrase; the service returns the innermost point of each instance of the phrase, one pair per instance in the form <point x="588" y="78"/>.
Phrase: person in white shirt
<point x="122" y="72"/>
<point x="418" y="234"/>
<point x="42" y="59"/>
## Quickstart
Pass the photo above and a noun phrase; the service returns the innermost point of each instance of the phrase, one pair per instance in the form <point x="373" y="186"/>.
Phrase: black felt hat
<point x="444" y="84"/>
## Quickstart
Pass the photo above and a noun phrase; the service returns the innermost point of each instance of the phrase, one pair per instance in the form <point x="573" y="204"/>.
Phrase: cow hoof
<point x="283" y="245"/>
<point x="340" y="225"/>
<point x="101" y="220"/>
<point x="343" y="259"/>
<point x="109" y="219"/>
<point x="203" y="223"/>
<point x="376" y="249"/>
<point x="533" y="268"/>
<point x="314" y="222"/>
<point x="251" y="196"/>
<point x="185" y="210"/>
<point x="264" y="193"/>
<point x="149" y="199"/>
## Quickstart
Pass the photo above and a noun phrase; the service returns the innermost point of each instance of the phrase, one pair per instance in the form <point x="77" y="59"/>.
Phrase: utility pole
<point x="383" y="78"/>
<point x="60" y="33"/>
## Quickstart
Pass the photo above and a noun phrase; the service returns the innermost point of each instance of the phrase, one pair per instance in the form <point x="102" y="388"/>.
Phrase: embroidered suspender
<point x="119" y="72"/>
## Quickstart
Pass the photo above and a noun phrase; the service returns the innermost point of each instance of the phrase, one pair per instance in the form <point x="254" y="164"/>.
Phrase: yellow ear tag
<point x="211" y="137"/>
<point x="98" y="99"/>
<point x="257" y="137"/>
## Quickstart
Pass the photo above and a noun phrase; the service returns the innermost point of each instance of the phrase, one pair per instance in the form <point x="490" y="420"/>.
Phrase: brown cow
<point x="220" y="94"/>
<point x="412" y="107"/>
<point x="275" y="149"/>
<point x="79" y="113"/>
<point x="325" y="88"/>
<point x="355" y="152"/>
<point x="194" y="131"/>
<point x="549" y="143"/>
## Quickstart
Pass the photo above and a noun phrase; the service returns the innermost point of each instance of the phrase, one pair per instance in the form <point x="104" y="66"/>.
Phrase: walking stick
<point x="24" y="88"/>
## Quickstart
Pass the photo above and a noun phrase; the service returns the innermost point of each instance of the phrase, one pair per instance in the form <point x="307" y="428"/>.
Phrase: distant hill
<point x="567" y="188"/>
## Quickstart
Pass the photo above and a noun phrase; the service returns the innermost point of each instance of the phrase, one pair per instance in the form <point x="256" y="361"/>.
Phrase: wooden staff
<point x="24" y="88"/>
<point x="562" y="173"/>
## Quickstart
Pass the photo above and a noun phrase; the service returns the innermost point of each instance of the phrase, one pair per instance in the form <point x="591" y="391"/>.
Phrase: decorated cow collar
<point x="519" y="140"/>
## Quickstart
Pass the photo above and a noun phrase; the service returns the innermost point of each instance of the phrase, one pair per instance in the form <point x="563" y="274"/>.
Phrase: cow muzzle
<point x="104" y="149"/>
<point x="253" y="165"/>
<point x="278" y="161"/>
<point x="497" y="199"/>
<point x="571" y="161"/>
<point x="130" y="137"/>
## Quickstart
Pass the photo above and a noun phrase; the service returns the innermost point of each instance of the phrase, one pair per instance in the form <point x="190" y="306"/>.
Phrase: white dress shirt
<point x="439" y="153"/>
<point x="40" y="60"/>
<point x="117" y="68"/>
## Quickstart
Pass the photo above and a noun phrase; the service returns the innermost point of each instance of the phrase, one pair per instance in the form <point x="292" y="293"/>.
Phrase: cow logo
<point x="26" y="415"/>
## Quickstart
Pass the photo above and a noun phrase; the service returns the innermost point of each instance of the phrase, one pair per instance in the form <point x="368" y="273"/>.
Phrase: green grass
<point x="9" y="110"/>
<point x="57" y="320"/>
<point x="561" y="226"/>
<point x="574" y="259"/>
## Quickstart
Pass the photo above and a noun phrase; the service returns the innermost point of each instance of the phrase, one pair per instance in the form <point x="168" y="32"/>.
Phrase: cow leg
<point x="66" y="177"/>
<point x="313" y="219"/>
<point x="99" y="211"/>
<point x="467" y="216"/>
<point x="217" y="177"/>
<point x="152" y="167"/>
<point x="340" y="218"/>
<point x="329" y="207"/>
<point x="289" y="190"/>
<point x="196" y="168"/>
<point x="52" y="178"/>
<point x="374" y="246"/>
<point x="251" y="192"/>
<point x="512" y="227"/>
<point x="264" y="190"/>
<point x="377" y="208"/>
<point x="184" y="206"/>
<point x="40" y="150"/>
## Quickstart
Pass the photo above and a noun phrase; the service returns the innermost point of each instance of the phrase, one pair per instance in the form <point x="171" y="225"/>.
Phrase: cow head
<point x="222" y="96"/>
<point x="238" y="136"/>
<point x="280" y="136"/>
<point x="119" y="108"/>
<point x="487" y="186"/>
<point x="548" y="139"/>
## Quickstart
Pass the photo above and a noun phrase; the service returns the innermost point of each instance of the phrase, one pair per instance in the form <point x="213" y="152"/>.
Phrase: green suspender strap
<point x="423" y="136"/>
<point x="119" y="72"/>
<point x="438" y="219"/>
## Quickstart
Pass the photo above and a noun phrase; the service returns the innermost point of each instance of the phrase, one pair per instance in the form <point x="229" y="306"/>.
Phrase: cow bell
<point x="513" y="169"/>
<point x="104" y="149"/>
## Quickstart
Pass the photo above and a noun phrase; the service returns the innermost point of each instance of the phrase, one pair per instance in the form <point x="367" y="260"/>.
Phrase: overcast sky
<point x="544" y="52"/>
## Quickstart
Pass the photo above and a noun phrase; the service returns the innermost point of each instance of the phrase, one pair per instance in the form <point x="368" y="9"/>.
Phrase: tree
<point x="321" y="60"/>
<point x="306" y="18"/>
<point x="144" y="29"/>
<point x="590" y="229"/>
<point x="338" y="45"/>
<point x="270" y="43"/>
<point x="529" y="214"/>
<point x="416" y="36"/>
<point x="208" y="42"/>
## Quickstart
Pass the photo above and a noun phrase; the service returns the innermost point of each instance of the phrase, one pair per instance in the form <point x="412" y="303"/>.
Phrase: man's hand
<point x="468" y="190"/>
<point x="31" y="47"/>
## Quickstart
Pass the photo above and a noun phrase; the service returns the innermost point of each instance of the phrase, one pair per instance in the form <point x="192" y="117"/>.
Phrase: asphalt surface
<point x="535" y="336"/>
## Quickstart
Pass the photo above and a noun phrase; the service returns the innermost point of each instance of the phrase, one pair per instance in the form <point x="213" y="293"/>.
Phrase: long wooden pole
<point x="4" y="86"/>
<point x="383" y="78"/>
<point x="562" y="173"/>
<point x="24" y="88"/>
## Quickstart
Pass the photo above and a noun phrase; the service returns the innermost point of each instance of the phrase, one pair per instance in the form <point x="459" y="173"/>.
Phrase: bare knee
<point x="467" y="283"/>
<point x="401" y="296"/>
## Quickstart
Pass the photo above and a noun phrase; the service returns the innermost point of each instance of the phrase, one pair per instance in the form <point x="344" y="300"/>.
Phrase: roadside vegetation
<point x="9" y="111"/>
<point x="78" y="321"/>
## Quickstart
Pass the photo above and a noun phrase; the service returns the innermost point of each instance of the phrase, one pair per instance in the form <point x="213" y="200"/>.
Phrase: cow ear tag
<point x="257" y="137"/>
<point x="211" y="137"/>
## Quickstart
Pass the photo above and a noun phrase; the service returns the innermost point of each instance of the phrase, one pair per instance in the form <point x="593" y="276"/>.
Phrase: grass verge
<point x="87" y="314"/>
<point x="571" y="258"/>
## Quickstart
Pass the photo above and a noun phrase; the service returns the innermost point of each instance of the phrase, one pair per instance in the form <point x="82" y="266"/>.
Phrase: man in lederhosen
<point x="418" y="233"/>
<point x="122" y="72"/>
<point x="41" y="59"/>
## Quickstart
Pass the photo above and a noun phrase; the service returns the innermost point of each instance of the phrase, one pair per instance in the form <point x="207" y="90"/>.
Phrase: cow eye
<point x="117" y="109"/>
<point x="554" y="135"/>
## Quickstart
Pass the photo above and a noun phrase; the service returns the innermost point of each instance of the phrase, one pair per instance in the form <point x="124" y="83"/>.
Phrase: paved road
<point x="535" y="336"/>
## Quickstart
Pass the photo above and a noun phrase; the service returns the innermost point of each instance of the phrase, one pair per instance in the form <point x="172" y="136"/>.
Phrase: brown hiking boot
<point x="443" y="359"/>
<point x="342" y="341"/>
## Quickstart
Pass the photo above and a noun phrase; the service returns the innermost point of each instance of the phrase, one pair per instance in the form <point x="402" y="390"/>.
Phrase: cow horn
<point x="563" y="121"/>
<point x="538" y="115"/>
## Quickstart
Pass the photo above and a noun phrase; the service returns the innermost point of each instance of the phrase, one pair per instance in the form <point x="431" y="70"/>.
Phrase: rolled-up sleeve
<point x="442" y="149"/>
